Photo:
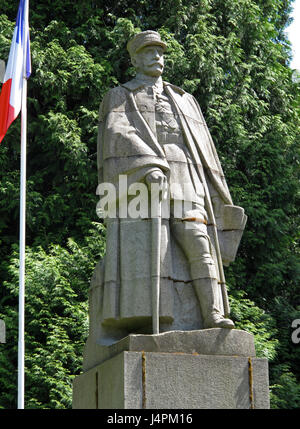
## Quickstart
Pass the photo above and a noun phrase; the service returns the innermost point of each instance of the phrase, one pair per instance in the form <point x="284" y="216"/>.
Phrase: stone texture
<point x="115" y="384"/>
<point x="136" y="380"/>
<point x="215" y="341"/>
<point x="151" y="131"/>
<point x="85" y="390"/>
<point x="2" y="331"/>
<point x="187" y="381"/>
<point x="211" y="368"/>
<point x="261" y="383"/>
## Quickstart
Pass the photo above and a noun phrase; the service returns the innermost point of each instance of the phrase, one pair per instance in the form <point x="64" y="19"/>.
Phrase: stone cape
<point x="127" y="143"/>
<point x="120" y="294"/>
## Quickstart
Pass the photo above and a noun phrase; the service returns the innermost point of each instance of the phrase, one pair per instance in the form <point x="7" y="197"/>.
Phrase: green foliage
<point x="252" y="319"/>
<point x="286" y="392"/>
<point x="234" y="57"/>
<point x="56" y="321"/>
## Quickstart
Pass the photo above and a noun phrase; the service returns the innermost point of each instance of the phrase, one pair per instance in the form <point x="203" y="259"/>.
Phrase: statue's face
<point x="149" y="60"/>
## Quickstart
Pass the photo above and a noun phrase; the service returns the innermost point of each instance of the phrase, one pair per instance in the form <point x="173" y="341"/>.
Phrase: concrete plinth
<point x="213" y="368"/>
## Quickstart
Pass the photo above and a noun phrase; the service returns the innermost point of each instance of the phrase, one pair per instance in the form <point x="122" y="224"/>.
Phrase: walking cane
<point x="155" y="256"/>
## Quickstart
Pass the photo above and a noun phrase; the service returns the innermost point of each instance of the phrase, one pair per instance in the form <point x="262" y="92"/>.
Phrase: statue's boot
<point x="206" y="291"/>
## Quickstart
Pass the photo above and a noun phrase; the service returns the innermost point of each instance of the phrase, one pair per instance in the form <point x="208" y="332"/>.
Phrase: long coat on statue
<point x="120" y="294"/>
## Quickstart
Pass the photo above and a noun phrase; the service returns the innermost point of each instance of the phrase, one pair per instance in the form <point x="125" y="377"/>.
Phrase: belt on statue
<point x="165" y="138"/>
<point x="194" y="219"/>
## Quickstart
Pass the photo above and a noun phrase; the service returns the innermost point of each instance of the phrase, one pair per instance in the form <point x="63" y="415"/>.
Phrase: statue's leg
<point x="192" y="237"/>
<point x="206" y="291"/>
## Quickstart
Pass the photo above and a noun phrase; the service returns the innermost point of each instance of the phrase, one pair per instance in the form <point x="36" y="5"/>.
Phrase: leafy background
<point x="233" y="56"/>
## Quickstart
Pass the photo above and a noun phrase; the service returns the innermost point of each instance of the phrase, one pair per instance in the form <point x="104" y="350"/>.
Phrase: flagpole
<point x="21" y="343"/>
<point x="21" y="347"/>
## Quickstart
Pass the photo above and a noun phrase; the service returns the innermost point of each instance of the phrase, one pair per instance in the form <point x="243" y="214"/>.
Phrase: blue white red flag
<point x="18" y="66"/>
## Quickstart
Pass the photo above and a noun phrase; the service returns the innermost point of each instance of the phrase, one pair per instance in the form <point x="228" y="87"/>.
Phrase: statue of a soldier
<point x="152" y="132"/>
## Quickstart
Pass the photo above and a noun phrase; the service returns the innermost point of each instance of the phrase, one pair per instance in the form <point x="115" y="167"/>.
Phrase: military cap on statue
<point x="145" y="38"/>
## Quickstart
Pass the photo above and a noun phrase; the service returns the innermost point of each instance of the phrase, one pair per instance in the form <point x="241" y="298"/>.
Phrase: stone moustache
<point x="161" y="273"/>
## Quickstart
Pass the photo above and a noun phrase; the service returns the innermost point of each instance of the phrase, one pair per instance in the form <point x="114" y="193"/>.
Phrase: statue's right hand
<point x="156" y="176"/>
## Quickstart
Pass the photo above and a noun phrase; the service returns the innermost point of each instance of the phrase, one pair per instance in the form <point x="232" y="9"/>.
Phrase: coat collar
<point x="135" y="84"/>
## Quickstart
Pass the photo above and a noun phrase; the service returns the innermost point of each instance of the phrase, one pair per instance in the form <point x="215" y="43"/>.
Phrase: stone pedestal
<point x="212" y="368"/>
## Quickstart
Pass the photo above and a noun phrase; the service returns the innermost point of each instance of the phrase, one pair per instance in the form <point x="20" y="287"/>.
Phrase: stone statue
<point x="170" y="227"/>
<point x="152" y="135"/>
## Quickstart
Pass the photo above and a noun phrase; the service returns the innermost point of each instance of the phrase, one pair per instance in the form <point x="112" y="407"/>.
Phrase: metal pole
<point x="22" y="252"/>
<point x="21" y="343"/>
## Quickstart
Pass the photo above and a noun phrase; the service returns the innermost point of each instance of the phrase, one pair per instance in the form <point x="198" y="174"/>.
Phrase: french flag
<point x="18" y="66"/>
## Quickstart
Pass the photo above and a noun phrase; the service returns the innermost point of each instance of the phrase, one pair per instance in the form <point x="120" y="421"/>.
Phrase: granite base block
<point x="167" y="371"/>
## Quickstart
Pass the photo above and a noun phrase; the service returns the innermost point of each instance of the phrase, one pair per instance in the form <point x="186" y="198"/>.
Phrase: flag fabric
<point x="18" y="65"/>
